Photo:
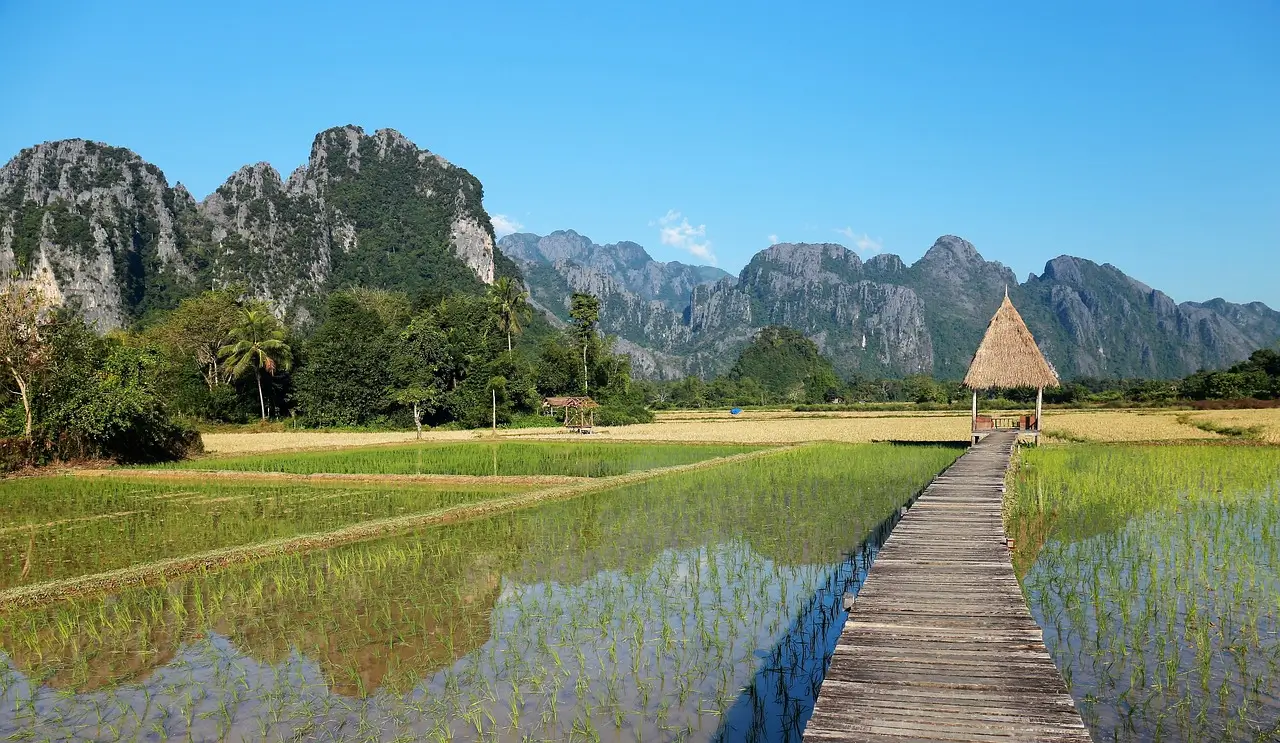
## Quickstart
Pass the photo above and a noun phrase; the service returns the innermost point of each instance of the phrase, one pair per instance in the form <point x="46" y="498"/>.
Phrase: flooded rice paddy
<point x="62" y="527"/>
<point x="579" y="459"/>
<point x="1158" y="585"/>
<point x="693" y="606"/>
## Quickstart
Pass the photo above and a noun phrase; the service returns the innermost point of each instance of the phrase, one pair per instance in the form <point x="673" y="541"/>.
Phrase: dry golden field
<point x="787" y="427"/>
<point x="1265" y="422"/>
<point x="799" y="427"/>
<point x="1121" y="425"/>
<point x="664" y="416"/>
<point x="244" y="443"/>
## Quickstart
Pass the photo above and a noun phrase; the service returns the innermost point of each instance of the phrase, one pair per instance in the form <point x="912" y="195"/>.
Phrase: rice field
<point x="1158" y="585"/>
<point x="1122" y="425"/>
<point x="788" y="427"/>
<point x="61" y="527"/>
<point x="236" y="443"/>
<point x="494" y="458"/>
<point x="699" y="605"/>
<point x="1263" y="425"/>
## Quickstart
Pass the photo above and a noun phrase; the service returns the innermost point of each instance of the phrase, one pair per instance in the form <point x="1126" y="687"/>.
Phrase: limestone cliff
<point x="104" y="230"/>
<point x="885" y="317"/>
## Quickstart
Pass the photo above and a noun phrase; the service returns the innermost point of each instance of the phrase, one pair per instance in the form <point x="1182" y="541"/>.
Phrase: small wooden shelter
<point x="579" y="412"/>
<point x="1008" y="357"/>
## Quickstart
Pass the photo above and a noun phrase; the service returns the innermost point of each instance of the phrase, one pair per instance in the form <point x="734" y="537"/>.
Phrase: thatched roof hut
<point x="1008" y="356"/>
<point x="579" y="412"/>
<point x="570" y="402"/>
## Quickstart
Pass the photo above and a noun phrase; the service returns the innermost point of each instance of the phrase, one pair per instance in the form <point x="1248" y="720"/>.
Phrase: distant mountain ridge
<point x="882" y="316"/>
<point x="103" y="229"/>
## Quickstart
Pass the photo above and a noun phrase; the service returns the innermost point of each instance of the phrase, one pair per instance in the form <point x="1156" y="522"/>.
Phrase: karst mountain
<point x="109" y="233"/>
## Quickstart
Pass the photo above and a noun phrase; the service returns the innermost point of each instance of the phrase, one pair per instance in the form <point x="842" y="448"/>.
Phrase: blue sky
<point x="1142" y="134"/>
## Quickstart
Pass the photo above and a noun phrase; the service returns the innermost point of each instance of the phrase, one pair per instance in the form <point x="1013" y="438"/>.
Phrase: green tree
<point x="584" y="310"/>
<point x="510" y="305"/>
<point x="256" y="344"/>
<point x="198" y="329"/>
<point x="922" y="389"/>
<point x="416" y="361"/>
<point x="788" y="365"/>
<point x="25" y="350"/>
<point x="347" y="374"/>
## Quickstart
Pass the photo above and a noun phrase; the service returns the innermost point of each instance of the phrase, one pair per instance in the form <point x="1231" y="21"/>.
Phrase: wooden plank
<point x="939" y="644"/>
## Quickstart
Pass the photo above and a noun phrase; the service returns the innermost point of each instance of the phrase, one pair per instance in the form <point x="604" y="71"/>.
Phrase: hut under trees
<point x="1008" y="358"/>
<point x="579" y="412"/>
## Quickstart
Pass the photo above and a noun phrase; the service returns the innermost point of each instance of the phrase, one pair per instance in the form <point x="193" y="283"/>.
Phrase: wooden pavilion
<point x="579" y="412"/>
<point x="1007" y="358"/>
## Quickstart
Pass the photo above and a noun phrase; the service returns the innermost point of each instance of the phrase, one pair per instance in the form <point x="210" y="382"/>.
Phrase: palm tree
<point x="511" y="305"/>
<point x="256" y="343"/>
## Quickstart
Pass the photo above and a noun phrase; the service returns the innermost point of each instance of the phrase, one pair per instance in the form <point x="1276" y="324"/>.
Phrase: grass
<point x="500" y="458"/>
<point x="641" y="611"/>
<point x="1158" y="584"/>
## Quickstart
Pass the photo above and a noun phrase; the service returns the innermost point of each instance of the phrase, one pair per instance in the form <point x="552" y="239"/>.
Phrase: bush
<point x="622" y="413"/>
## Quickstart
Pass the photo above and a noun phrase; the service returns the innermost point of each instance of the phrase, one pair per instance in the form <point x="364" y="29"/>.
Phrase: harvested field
<point x="721" y="414"/>
<point x="246" y="443"/>
<point x="1261" y="424"/>
<point x="790" y="427"/>
<point x="1121" y="425"/>
<point x="799" y="427"/>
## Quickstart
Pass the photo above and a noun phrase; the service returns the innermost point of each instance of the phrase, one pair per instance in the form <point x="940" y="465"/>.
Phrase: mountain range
<point x="103" y="229"/>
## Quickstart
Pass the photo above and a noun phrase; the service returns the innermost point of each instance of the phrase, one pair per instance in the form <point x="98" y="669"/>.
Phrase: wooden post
<point x="973" y="418"/>
<point x="495" y="411"/>
<point x="1039" y="411"/>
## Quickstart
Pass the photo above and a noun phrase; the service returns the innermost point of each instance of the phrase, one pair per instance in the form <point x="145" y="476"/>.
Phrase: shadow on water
<point x="779" y="702"/>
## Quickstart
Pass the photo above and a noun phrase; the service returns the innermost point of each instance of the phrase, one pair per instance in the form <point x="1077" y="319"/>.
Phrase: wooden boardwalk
<point x="939" y="645"/>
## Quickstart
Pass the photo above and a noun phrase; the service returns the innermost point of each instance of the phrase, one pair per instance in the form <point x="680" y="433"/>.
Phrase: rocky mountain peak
<point x="1064" y="269"/>
<point x="885" y="264"/>
<point x="806" y="261"/>
<point x="335" y="149"/>
<point x="954" y="262"/>
<point x="387" y="140"/>
<point x="75" y="214"/>
<point x="950" y="252"/>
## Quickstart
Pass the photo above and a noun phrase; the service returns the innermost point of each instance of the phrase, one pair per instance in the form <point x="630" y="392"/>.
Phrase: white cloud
<point x="773" y="239"/>
<point x="863" y="243"/>
<point x="504" y="225"/>
<point x="674" y="230"/>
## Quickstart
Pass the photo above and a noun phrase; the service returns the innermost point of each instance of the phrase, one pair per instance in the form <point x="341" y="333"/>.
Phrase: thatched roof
<point x="1008" y="356"/>
<point x="570" y="402"/>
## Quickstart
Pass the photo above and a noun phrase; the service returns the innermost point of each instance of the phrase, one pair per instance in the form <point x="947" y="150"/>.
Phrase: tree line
<point x="371" y="358"/>
<point x="782" y="367"/>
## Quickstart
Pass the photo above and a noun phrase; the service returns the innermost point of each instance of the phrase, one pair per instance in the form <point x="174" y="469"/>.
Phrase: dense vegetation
<point x="376" y="358"/>
<point x="71" y="393"/>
